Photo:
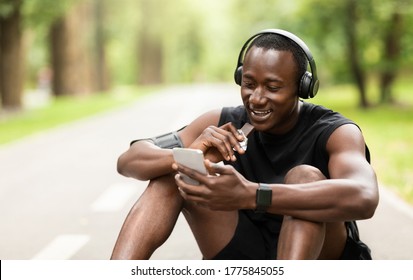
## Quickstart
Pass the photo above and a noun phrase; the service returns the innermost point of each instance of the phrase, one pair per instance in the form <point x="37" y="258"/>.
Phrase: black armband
<point x="168" y="141"/>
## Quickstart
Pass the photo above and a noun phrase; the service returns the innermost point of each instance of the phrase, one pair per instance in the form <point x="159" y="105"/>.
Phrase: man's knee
<point x="164" y="185"/>
<point x="161" y="195"/>
<point x="304" y="226"/>
<point x="303" y="174"/>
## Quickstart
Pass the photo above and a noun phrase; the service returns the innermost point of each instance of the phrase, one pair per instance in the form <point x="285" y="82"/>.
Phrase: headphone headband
<point x="309" y="82"/>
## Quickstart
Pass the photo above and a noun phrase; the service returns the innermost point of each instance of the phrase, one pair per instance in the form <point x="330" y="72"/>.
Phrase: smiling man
<point x="294" y="193"/>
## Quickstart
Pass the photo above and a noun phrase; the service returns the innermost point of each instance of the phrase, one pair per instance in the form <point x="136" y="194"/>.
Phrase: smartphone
<point x="191" y="158"/>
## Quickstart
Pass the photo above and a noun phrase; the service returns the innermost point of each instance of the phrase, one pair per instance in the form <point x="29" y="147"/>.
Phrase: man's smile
<point x="260" y="115"/>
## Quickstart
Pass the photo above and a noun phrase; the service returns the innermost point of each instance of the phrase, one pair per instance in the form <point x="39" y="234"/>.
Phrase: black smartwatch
<point x="263" y="198"/>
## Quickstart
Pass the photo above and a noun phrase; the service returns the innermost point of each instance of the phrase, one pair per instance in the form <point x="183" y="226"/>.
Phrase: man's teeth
<point x="261" y="113"/>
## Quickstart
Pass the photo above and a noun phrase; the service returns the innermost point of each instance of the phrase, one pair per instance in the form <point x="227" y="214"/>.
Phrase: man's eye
<point x="248" y="84"/>
<point x="273" y="89"/>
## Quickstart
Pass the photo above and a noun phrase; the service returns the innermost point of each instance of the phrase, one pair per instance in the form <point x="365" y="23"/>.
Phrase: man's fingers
<point x="190" y="192"/>
<point x="224" y="145"/>
<point x="227" y="141"/>
<point x="217" y="168"/>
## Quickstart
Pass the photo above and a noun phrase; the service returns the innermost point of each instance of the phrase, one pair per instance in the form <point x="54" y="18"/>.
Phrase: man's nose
<point x="257" y="96"/>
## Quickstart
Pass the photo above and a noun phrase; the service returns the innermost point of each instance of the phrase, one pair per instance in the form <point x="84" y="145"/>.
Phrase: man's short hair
<point x="273" y="41"/>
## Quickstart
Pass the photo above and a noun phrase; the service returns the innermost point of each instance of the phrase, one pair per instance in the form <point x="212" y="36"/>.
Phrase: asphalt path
<point x="61" y="197"/>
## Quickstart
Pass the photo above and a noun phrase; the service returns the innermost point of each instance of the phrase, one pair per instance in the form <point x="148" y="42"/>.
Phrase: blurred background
<point x="64" y="60"/>
<point x="87" y="46"/>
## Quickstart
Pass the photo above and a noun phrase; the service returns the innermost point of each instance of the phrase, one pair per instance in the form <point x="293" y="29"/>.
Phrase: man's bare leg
<point x="213" y="230"/>
<point x="300" y="239"/>
<point x="153" y="217"/>
<point x="150" y="221"/>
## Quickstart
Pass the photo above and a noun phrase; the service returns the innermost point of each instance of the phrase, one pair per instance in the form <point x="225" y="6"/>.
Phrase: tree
<point x="68" y="52"/>
<point x="176" y="40"/>
<point x="15" y="16"/>
<point x="78" y="50"/>
<point x="150" y="51"/>
<point x="373" y="31"/>
<point x="150" y="58"/>
<point x="73" y="73"/>
<point x="359" y="75"/>
<point x="101" y="76"/>
<point x="391" y="52"/>
<point x="11" y="74"/>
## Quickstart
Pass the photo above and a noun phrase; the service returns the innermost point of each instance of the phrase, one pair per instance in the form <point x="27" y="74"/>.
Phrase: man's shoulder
<point x="236" y="115"/>
<point x="321" y="122"/>
<point x="318" y="112"/>
<point x="240" y="109"/>
<point x="315" y="108"/>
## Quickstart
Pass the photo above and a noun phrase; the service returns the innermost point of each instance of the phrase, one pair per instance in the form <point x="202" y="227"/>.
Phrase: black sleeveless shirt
<point x="269" y="157"/>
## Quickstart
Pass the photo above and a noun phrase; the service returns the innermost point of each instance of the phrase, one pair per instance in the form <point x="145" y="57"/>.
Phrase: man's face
<point x="269" y="90"/>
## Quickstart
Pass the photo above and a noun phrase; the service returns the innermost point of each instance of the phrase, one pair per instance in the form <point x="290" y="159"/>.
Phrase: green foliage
<point x="8" y="6"/>
<point x="328" y="29"/>
<point x="41" y="13"/>
<point x="201" y="39"/>
<point x="121" y="29"/>
<point x="38" y="16"/>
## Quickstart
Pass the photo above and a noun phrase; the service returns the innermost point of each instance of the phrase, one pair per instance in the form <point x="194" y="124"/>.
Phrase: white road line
<point x="115" y="197"/>
<point x="63" y="247"/>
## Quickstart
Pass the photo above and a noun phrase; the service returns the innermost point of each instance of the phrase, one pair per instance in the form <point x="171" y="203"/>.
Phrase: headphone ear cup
<point x="305" y="90"/>
<point x="238" y="75"/>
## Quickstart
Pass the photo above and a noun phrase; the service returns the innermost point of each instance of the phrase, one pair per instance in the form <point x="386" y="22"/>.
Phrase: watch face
<point x="264" y="197"/>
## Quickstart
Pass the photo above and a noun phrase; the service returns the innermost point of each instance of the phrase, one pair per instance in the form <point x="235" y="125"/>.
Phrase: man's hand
<point x="219" y="143"/>
<point x="225" y="191"/>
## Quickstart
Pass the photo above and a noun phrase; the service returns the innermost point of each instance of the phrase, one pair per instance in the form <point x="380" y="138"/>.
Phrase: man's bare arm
<point x="145" y="161"/>
<point x="350" y="194"/>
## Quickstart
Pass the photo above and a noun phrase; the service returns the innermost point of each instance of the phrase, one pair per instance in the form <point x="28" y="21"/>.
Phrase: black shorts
<point x="256" y="237"/>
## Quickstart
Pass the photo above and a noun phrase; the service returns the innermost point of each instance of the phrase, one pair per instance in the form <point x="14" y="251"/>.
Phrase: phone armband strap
<point x="168" y="140"/>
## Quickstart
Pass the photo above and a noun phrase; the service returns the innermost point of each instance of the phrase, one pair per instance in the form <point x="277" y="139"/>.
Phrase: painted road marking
<point x="63" y="247"/>
<point x="115" y="197"/>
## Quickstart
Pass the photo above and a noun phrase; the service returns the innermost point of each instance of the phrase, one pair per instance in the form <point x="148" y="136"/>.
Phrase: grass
<point x="388" y="130"/>
<point x="17" y="125"/>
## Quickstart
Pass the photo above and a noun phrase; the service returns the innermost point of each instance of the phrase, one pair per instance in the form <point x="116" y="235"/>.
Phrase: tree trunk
<point x="355" y="65"/>
<point x="11" y="63"/>
<point x="69" y="54"/>
<point x="150" y="61"/>
<point x="150" y="57"/>
<point x="392" y="51"/>
<point x="101" y="68"/>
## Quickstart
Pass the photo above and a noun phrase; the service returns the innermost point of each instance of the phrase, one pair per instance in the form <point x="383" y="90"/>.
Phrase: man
<point x="293" y="194"/>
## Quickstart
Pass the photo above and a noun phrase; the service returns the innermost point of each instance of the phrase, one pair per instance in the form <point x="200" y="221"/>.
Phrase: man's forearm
<point x="145" y="161"/>
<point x="325" y="201"/>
